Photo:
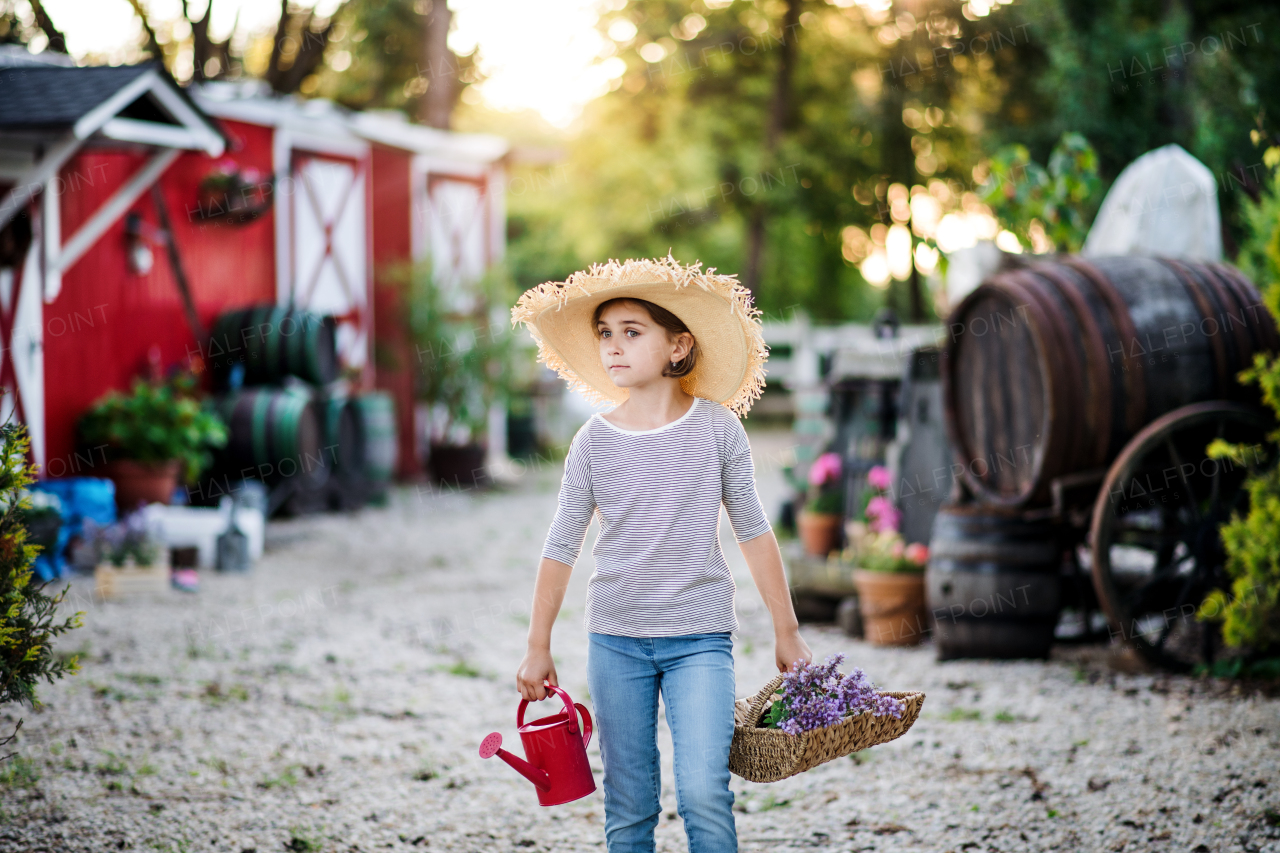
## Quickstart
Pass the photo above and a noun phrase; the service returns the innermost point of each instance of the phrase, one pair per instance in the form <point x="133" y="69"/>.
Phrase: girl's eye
<point x="632" y="332"/>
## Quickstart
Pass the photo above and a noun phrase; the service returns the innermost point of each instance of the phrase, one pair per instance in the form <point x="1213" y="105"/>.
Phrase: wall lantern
<point x="137" y="248"/>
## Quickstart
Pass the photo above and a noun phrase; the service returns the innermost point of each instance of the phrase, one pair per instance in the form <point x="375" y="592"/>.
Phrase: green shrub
<point x="27" y="615"/>
<point x="1058" y="201"/>
<point x="1250" y="612"/>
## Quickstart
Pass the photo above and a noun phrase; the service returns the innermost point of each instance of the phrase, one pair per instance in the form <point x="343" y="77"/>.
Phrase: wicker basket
<point x="768" y="755"/>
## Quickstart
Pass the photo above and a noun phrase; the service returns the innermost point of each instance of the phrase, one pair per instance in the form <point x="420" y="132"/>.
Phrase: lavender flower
<point x="815" y="696"/>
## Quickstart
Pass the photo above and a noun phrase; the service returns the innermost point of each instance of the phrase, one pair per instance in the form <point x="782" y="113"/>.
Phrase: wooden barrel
<point x="344" y="445"/>
<point x="273" y="436"/>
<point x="269" y="343"/>
<point x="993" y="584"/>
<point x="377" y="412"/>
<point x="1051" y="368"/>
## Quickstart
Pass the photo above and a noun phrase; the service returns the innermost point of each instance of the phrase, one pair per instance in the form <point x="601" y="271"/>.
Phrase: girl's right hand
<point x="536" y="668"/>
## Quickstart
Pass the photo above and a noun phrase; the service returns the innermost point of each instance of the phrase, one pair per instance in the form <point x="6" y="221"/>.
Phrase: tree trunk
<point x="775" y="123"/>
<point x="57" y="41"/>
<point x="153" y="44"/>
<point x="440" y="67"/>
<point x="204" y="48"/>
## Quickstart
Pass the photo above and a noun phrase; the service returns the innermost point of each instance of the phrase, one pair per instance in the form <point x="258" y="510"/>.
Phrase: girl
<point x="680" y="352"/>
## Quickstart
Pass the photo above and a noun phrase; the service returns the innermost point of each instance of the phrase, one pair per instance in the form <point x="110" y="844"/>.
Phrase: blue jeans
<point x="694" y="674"/>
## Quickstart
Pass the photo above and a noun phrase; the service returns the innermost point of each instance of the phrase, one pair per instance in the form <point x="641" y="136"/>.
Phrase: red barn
<point x="82" y="148"/>
<point x="113" y="257"/>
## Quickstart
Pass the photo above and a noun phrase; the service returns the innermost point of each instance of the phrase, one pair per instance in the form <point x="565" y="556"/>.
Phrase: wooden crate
<point x="115" y="583"/>
<point x="810" y="575"/>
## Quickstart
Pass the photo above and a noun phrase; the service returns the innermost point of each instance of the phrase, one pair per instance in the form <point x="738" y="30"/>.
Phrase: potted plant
<point x="151" y="438"/>
<point x="463" y="357"/>
<point x="232" y="194"/>
<point x="890" y="573"/>
<point x="819" y="522"/>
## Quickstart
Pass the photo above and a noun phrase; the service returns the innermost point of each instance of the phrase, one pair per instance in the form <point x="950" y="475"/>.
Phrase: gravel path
<point x="334" y="699"/>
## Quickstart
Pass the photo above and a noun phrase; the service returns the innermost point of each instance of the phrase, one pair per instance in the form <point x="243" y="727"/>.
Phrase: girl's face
<point x="635" y="350"/>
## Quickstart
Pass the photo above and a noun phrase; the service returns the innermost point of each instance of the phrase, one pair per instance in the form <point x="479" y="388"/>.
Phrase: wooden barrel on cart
<point x="1052" y="367"/>
<point x="344" y="445"/>
<point x="268" y="343"/>
<point x="993" y="583"/>
<point x="274" y="435"/>
<point x="377" y="412"/>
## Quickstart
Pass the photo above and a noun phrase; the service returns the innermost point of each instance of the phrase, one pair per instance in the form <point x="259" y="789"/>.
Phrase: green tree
<point x="1132" y="75"/>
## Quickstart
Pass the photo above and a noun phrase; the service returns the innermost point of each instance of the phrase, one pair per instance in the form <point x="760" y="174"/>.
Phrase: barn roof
<point x="53" y="97"/>
<point x="56" y="99"/>
<point x="49" y="111"/>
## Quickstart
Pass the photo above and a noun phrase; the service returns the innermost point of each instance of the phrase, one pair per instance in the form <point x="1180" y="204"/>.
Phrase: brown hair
<point x="664" y="318"/>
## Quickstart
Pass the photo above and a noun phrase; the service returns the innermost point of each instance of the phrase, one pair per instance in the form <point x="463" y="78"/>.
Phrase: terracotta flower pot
<point x="893" y="607"/>
<point x="141" y="483"/>
<point x="819" y="532"/>
<point x="459" y="465"/>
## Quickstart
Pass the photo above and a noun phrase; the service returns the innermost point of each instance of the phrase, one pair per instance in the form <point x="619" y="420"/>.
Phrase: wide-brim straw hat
<point x="716" y="308"/>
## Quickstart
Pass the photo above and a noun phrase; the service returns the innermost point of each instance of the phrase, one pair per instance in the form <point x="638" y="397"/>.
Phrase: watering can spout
<point x="491" y="746"/>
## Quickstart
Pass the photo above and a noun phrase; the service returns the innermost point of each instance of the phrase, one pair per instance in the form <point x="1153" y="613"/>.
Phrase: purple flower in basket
<point x="815" y="696"/>
<point x="824" y="469"/>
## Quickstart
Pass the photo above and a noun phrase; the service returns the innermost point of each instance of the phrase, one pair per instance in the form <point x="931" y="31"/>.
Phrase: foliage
<point x="814" y="696"/>
<point x="380" y="45"/>
<point x="156" y="422"/>
<point x="27" y="615"/>
<point x="884" y="551"/>
<point x="1134" y="75"/>
<point x="879" y="99"/>
<point x="1250" y="613"/>
<point x="1047" y="208"/>
<point x="464" y="348"/>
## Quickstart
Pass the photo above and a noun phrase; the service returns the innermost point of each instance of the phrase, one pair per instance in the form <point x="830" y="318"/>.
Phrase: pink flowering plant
<point x="814" y="696"/>
<point x="826" y="490"/>
<point x="874" y="541"/>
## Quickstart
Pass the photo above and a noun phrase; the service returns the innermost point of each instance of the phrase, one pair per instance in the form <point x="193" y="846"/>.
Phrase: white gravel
<point x="334" y="700"/>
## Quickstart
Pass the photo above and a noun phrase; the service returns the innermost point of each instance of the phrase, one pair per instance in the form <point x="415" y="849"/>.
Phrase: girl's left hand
<point x="789" y="648"/>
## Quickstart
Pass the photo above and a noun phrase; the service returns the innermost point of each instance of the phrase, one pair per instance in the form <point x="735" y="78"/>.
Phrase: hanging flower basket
<point x="234" y="196"/>
<point x="768" y="755"/>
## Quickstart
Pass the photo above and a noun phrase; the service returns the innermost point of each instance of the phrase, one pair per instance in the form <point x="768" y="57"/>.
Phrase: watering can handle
<point x="569" y="708"/>
<point x="586" y="723"/>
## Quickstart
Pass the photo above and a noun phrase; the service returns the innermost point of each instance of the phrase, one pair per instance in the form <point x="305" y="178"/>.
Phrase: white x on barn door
<point x="457" y="232"/>
<point x="329" y="239"/>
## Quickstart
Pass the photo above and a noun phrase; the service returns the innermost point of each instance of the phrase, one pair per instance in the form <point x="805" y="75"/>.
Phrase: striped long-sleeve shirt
<point x="659" y="568"/>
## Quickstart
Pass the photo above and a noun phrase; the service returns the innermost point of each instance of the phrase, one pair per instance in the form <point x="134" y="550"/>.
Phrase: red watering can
<point x="557" y="751"/>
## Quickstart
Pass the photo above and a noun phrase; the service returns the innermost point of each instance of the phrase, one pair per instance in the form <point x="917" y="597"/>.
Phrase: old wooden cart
<point x="1087" y="394"/>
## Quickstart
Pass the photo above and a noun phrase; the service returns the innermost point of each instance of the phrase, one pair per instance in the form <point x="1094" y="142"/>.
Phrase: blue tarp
<point x="81" y="497"/>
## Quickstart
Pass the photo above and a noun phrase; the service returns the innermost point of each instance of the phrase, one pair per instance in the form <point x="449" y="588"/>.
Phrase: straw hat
<point x="717" y="310"/>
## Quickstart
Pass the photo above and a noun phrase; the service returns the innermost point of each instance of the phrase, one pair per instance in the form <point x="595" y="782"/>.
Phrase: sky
<point x="542" y="55"/>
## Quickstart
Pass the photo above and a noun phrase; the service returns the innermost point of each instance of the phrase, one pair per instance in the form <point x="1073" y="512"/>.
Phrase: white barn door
<point x="330" y="249"/>
<point x="457" y="235"/>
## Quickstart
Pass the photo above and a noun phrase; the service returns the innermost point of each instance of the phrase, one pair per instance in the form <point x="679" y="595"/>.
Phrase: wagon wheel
<point x="1156" y="552"/>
